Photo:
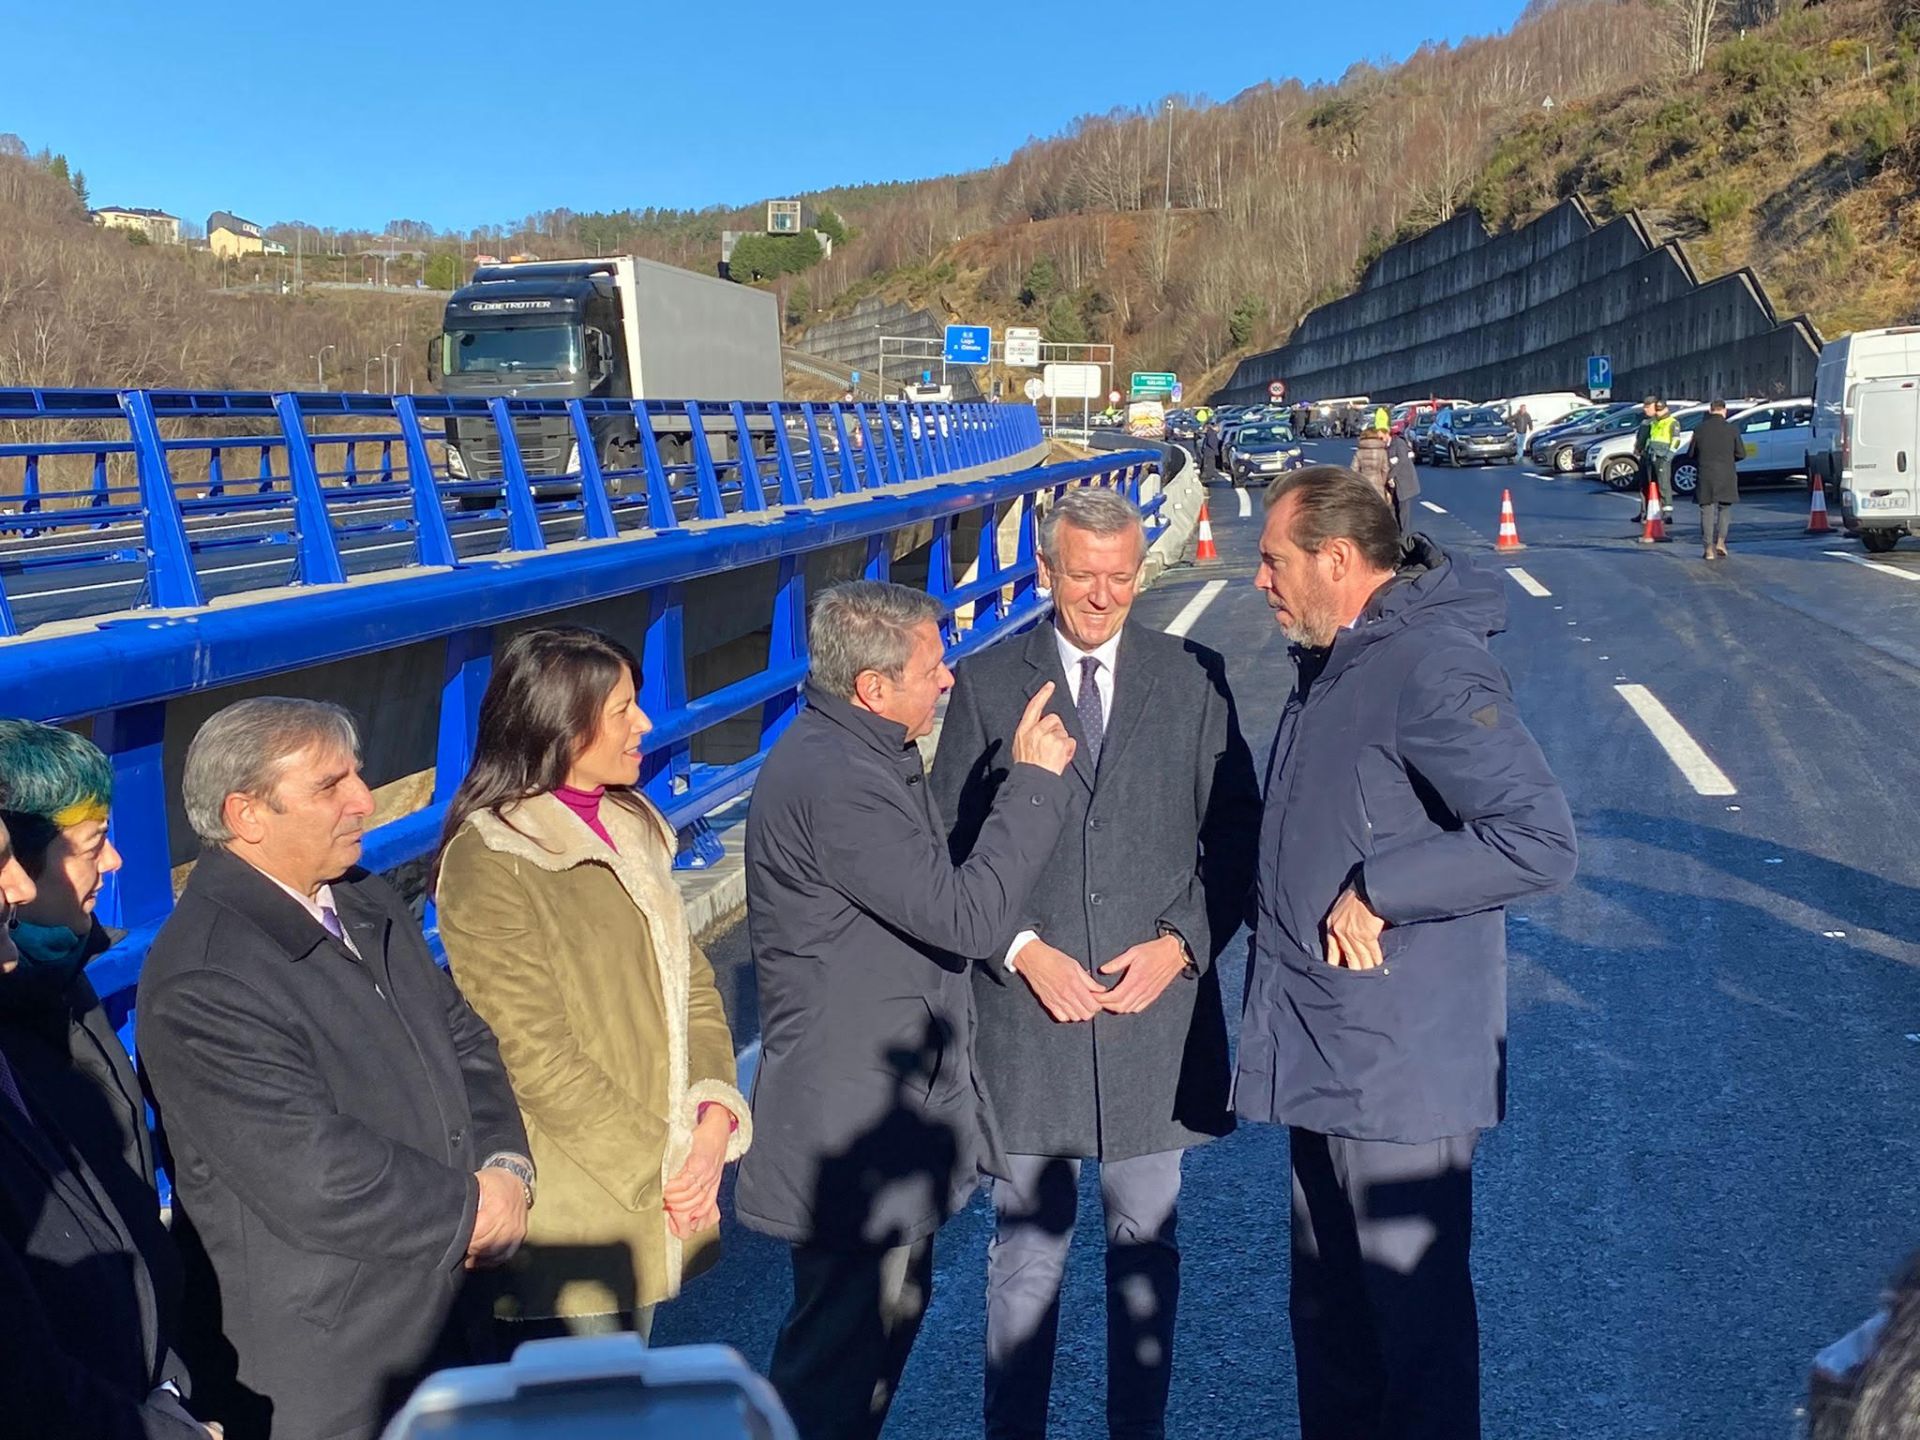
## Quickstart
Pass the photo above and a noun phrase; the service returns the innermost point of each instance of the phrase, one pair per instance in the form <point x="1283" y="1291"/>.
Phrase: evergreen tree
<point x="80" y="190"/>
<point x="58" y="165"/>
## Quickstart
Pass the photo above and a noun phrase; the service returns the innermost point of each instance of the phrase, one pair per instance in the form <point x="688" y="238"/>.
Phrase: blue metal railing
<point x="122" y="671"/>
<point x="161" y="509"/>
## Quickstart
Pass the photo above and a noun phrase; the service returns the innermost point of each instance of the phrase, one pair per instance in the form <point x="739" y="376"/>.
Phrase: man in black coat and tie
<point x="1101" y="1029"/>
<point x="83" y="1344"/>
<point x="346" y="1145"/>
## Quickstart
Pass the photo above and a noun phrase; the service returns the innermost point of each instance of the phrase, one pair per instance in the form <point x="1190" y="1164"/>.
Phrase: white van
<point x="1882" y="477"/>
<point x="1547" y="408"/>
<point x="1845" y="364"/>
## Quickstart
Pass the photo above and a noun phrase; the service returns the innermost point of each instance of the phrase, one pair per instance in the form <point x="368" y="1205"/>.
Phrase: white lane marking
<point x="1191" y="612"/>
<point x="139" y="579"/>
<point x="1688" y="758"/>
<point x="1527" y="583"/>
<point x="1874" y="565"/>
<point x="744" y="1064"/>
<point x="1433" y="507"/>
<point x="1246" y="504"/>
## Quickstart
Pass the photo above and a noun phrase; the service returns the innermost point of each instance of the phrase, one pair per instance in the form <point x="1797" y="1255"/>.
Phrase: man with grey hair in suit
<point x="1101" y="1030"/>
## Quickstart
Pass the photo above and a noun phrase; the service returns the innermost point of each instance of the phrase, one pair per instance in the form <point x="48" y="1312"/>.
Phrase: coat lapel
<point x="1043" y="654"/>
<point x="369" y="927"/>
<point x="1132" y="686"/>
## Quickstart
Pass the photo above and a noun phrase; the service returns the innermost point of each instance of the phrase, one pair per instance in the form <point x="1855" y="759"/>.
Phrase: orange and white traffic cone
<point x="1205" y="550"/>
<point x="1655" y="531"/>
<point x="1817" y="508"/>
<point x="1509" y="538"/>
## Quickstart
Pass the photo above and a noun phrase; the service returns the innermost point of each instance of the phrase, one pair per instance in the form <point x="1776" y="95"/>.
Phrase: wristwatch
<point x="1186" y="950"/>
<point x="516" y="1167"/>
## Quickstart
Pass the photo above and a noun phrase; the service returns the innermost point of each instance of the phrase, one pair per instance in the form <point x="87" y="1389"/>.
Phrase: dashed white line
<point x="1527" y="583"/>
<point x="1246" y="504"/>
<point x="1191" y="612"/>
<point x="1433" y="507"/>
<point x="1874" y="565"/>
<point x="1688" y="758"/>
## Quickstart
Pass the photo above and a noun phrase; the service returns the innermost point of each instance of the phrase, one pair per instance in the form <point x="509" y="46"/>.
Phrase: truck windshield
<point x="515" y="348"/>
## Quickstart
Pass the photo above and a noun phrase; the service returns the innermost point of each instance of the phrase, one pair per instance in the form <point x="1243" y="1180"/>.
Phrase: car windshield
<point x="1264" y="435"/>
<point x="1478" y="420"/>
<point x="514" y="348"/>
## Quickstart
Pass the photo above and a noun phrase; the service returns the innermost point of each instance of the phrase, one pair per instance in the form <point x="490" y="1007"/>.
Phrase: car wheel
<point x="1619" y="475"/>
<point x="1879" y="542"/>
<point x="1563" y="460"/>
<point x="1686" y="479"/>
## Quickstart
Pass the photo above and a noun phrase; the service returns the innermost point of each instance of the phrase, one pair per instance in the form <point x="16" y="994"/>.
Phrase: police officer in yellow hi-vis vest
<point x="1653" y="446"/>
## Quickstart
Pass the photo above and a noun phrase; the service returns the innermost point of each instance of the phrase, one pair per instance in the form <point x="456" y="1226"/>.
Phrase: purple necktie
<point x="330" y="918"/>
<point x="1093" y="724"/>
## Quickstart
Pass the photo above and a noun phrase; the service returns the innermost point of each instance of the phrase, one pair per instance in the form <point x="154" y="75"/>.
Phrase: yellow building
<point x="228" y="236"/>
<point x="159" y="227"/>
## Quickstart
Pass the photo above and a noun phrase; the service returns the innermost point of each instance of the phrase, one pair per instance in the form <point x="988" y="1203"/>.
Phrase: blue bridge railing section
<point x="135" y="499"/>
<point x="121" y="672"/>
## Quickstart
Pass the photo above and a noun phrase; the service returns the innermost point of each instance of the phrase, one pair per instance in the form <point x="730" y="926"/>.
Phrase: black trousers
<point x="855" y="1316"/>
<point x="1385" y="1333"/>
<point x="1035" y="1208"/>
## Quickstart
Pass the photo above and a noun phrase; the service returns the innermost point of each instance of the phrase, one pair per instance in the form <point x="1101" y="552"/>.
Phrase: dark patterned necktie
<point x="1093" y="724"/>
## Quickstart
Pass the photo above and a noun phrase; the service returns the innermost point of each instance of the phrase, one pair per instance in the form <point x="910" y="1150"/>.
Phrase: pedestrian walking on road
<point x="872" y="1128"/>
<point x="1370" y="463"/>
<point x="1717" y="448"/>
<point x="1385" y="461"/>
<point x="1209" y="452"/>
<point x="1102" y="1034"/>
<point x="1406" y="805"/>
<point x="1522" y="422"/>
<point x="346" y="1146"/>
<point x="564" y="928"/>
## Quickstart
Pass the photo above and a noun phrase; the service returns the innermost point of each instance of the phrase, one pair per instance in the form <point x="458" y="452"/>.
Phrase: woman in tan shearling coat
<point x="565" y="931"/>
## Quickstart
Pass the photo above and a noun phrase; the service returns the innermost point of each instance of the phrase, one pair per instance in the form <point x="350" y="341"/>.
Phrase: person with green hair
<point x="55" y="789"/>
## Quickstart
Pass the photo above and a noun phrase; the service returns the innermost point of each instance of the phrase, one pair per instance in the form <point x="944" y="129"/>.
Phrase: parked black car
<point x="1472" y="436"/>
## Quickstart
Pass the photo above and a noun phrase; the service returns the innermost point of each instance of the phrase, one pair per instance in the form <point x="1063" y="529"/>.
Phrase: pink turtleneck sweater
<point x="586" y="804"/>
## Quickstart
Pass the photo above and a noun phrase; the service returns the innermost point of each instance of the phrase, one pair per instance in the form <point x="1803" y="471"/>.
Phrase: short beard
<point x="1312" y="626"/>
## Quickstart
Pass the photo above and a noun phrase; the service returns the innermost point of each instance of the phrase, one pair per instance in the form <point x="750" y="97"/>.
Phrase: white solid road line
<point x="1246" y="504"/>
<point x="1433" y="507"/>
<point x="1195" y="608"/>
<point x="1527" y="583"/>
<point x="1688" y="758"/>
<point x="1874" y="565"/>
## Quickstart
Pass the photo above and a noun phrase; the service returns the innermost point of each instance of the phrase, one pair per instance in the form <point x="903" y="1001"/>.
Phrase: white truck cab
<point x="1845" y="365"/>
<point x="1882" y="477"/>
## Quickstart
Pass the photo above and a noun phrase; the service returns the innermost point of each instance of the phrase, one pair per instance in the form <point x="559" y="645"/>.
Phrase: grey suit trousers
<point x="1034" y="1211"/>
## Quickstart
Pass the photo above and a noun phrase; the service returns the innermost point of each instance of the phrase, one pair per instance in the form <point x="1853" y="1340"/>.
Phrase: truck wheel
<point x="1879" y="542"/>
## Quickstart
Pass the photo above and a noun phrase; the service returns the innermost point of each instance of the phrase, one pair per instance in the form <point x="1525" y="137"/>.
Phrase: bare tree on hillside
<point x="1691" y="23"/>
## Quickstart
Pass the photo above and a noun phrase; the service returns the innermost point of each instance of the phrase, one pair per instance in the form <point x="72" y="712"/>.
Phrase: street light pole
<point x="319" y="367"/>
<point x="398" y="349"/>
<point x="1167" y="205"/>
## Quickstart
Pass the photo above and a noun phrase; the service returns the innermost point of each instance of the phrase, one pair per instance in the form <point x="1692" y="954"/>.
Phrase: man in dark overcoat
<point x="1406" y="807"/>
<point x="1717" y="451"/>
<point x="1101" y="1030"/>
<point x="345" y="1142"/>
<point x="870" y="1129"/>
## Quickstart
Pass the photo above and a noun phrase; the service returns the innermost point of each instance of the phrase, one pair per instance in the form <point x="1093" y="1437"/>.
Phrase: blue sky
<point x="353" y="113"/>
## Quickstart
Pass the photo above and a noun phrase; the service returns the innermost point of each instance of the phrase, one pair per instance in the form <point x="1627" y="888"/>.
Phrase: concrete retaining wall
<point x="1457" y="311"/>
<point x="854" y="341"/>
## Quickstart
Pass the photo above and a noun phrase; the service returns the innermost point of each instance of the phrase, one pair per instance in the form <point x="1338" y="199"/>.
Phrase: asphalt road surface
<point x="1708" y="1167"/>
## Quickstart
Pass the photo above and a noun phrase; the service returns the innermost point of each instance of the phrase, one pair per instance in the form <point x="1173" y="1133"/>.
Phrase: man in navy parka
<point x="1406" y="806"/>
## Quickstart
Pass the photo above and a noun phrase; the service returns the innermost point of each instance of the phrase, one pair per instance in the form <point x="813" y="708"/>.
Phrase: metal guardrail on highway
<point x="160" y="503"/>
<point x="924" y="468"/>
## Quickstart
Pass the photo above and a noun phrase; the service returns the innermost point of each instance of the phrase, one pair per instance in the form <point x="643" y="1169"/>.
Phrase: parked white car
<point x="1775" y="435"/>
<point x="1611" y="459"/>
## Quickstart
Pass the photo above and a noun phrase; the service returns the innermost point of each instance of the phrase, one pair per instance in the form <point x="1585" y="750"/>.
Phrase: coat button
<point x="1093" y="824"/>
<point x="1038" y="800"/>
<point x="456" y="1136"/>
<point x="1095" y="897"/>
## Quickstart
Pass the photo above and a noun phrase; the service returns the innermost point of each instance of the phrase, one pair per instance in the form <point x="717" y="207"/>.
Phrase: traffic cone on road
<point x="1509" y="538"/>
<point x="1817" y="508"/>
<point x="1205" y="550"/>
<point x="1655" y="531"/>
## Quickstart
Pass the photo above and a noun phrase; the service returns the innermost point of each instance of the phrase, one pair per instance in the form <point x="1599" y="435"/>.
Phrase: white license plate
<point x="1895" y="501"/>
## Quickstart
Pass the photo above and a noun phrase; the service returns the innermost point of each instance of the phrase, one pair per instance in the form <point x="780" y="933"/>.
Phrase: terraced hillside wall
<point x="1458" y="311"/>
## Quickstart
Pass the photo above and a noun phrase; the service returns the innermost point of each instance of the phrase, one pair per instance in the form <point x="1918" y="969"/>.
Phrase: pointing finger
<point x="1037" y="704"/>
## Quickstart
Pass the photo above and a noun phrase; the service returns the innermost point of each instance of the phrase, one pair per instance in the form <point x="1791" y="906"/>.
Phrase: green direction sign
<point x="1153" y="384"/>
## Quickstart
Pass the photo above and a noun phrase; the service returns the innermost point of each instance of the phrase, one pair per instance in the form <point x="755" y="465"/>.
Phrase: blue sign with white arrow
<point x="969" y="344"/>
<point x="1600" y="376"/>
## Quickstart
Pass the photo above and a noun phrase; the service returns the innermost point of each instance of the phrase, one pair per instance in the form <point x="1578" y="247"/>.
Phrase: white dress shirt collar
<point x="1071" y="654"/>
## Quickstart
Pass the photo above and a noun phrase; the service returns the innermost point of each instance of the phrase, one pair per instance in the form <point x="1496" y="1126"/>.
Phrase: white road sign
<point x="1023" y="347"/>
<point x="1073" y="382"/>
<point x="1035" y="388"/>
